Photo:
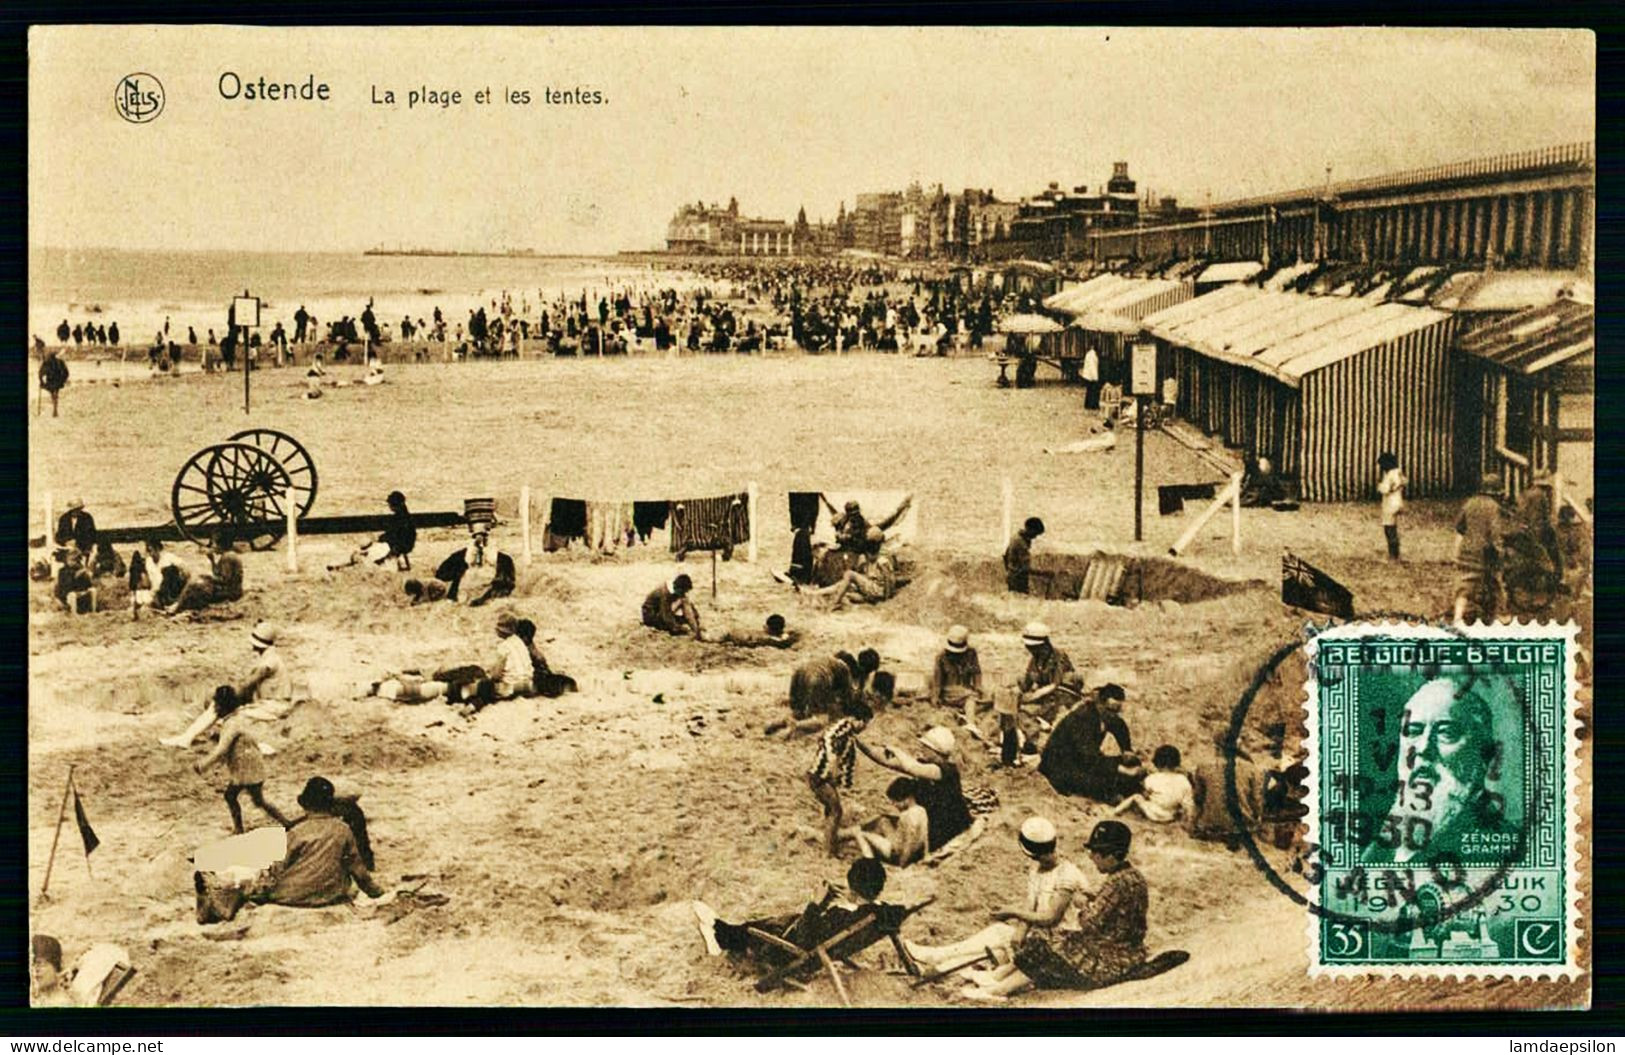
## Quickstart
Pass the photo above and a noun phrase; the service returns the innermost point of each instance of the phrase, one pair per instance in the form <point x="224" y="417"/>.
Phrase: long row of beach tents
<point x="1319" y="384"/>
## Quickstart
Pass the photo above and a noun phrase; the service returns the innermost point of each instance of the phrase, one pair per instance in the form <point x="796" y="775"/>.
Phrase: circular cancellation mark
<point x="1406" y="921"/>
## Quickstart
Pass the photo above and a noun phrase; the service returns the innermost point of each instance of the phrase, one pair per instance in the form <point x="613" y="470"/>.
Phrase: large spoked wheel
<point x="294" y="458"/>
<point x="236" y="486"/>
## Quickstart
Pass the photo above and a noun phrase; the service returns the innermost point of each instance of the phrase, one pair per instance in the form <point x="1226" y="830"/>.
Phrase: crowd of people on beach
<point x="746" y="308"/>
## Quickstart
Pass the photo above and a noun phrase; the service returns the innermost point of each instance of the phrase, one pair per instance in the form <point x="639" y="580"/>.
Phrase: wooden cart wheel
<point x="236" y="486"/>
<point x="294" y="458"/>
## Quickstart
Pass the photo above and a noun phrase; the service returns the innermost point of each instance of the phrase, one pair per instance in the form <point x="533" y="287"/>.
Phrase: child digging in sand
<point x="241" y="754"/>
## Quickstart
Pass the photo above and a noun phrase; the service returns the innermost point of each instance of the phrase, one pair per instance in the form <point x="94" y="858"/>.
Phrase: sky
<point x="779" y="118"/>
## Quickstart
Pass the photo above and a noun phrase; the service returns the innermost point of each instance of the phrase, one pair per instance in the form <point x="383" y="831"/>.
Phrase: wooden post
<point x="1235" y="515"/>
<point x="242" y="350"/>
<point x="293" y="536"/>
<point x="524" y="520"/>
<point x="1139" y="465"/>
<point x="49" y="527"/>
<point x="61" y="815"/>
<point x="1009" y="495"/>
<point x="713" y="575"/>
<point x="750" y="512"/>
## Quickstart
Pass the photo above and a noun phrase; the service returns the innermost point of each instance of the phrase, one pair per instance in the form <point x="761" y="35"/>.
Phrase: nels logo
<point x="139" y="98"/>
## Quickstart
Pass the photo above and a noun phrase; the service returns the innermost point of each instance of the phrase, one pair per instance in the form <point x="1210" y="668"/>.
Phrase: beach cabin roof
<point x="1234" y="271"/>
<point x="1536" y="340"/>
<point x="1286" y="336"/>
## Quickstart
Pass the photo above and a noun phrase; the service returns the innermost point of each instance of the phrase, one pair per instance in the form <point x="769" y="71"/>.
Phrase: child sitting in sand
<point x="1167" y="795"/>
<point x="313" y="378"/>
<point x="241" y="753"/>
<point x="899" y="839"/>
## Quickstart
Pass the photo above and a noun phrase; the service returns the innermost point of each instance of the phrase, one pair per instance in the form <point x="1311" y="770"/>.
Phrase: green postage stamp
<point x="1443" y="800"/>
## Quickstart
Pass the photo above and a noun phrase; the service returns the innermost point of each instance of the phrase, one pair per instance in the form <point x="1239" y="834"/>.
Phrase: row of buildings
<point x="1530" y="209"/>
<point x="918" y="223"/>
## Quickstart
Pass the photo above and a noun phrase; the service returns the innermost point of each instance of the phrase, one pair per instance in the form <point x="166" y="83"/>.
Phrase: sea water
<point x="139" y="289"/>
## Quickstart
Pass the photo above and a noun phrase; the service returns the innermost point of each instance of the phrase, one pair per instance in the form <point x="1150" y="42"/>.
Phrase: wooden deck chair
<point x="871" y="925"/>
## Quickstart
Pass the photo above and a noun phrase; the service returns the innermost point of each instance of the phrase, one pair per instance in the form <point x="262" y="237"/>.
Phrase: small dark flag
<point x="1305" y="586"/>
<point x="85" y="831"/>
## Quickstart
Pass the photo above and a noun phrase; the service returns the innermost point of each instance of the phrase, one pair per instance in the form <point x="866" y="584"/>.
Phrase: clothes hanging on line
<point x="566" y="520"/>
<point x="649" y="517"/>
<point x="607" y="525"/>
<point x="804" y="507"/>
<point x="710" y="523"/>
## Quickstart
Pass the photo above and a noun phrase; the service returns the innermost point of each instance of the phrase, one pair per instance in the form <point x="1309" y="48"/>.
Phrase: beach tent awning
<point x="1535" y="340"/>
<point x="1076" y="298"/>
<point x="1130" y="298"/>
<point x="1234" y="271"/>
<point x="1379" y="325"/>
<point x="1278" y="281"/>
<point x="1519" y="290"/>
<point x="1105" y="322"/>
<point x="1169" y="322"/>
<point x="1029" y="267"/>
<point x="1286" y="336"/>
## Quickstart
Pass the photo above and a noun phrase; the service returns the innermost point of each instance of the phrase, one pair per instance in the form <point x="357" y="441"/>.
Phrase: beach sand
<point x="569" y="835"/>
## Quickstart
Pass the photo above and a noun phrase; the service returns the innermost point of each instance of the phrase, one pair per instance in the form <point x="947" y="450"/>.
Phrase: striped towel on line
<point x="710" y="523"/>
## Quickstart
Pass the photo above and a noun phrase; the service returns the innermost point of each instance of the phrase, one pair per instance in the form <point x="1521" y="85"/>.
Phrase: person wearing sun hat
<point x="1054" y="886"/>
<point x="322" y="858"/>
<point x="1109" y="943"/>
<point x="76" y="528"/>
<point x="266" y="693"/>
<point x="1050" y="680"/>
<point x="1104" y="944"/>
<point x="956" y="679"/>
<point x="938" y="785"/>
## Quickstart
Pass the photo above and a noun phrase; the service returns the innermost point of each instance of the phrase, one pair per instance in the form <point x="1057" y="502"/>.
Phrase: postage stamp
<point x="1443" y="800"/>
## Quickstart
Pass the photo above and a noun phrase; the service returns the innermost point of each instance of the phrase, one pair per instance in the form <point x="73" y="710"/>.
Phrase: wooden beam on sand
<point x="1230" y="493"/>
<point x="364" y="524"/>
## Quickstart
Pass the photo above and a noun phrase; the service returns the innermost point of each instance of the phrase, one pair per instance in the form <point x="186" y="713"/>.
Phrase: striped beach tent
<point x="1320" y="385"/>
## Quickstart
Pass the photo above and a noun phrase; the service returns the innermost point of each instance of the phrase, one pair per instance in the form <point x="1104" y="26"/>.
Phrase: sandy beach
<point x="568" y="836"/>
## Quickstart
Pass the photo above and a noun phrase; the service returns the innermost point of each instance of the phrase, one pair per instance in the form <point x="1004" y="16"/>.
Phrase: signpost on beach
<point x="1142" y="383"/>
<point x="245" y="315"/>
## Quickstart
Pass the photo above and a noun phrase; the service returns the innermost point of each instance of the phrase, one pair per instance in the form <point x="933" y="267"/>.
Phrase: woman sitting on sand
<point x="1105" y="943"/>
<point x="937" y="784"/>
<point x="1055" y="885"/>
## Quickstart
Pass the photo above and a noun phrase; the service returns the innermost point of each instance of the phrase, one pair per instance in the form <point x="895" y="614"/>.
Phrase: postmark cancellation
<point x="1443" y="801"/>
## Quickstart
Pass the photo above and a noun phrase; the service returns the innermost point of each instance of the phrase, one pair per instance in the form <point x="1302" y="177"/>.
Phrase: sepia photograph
<point x="810" y="517"/>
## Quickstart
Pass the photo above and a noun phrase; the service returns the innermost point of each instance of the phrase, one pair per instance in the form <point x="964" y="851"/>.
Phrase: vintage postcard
<point x="810" y="517"/>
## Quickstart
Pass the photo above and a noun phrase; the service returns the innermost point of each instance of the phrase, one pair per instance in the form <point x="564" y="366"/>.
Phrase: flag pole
<point x="61" y="815"/>
<point x="80" y="813"/>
